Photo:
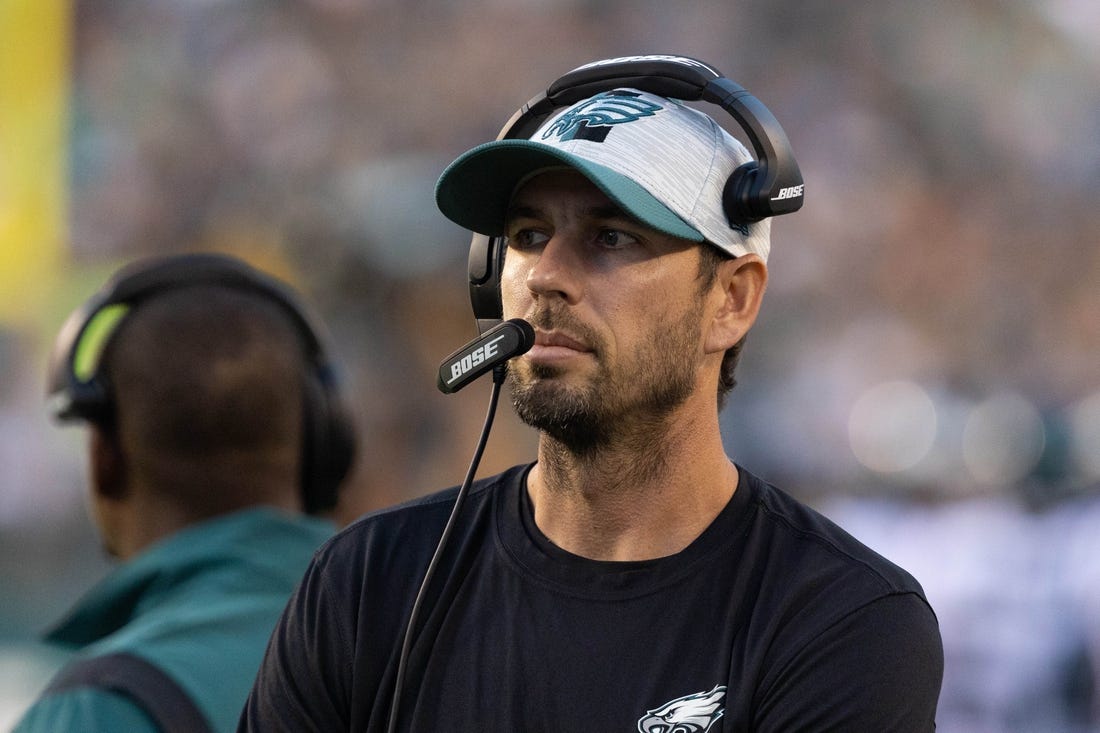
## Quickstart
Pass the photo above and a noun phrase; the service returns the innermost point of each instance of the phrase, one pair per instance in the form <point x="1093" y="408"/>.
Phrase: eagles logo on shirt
<point x="688" y="714"/>
<point x="592" y="119"/>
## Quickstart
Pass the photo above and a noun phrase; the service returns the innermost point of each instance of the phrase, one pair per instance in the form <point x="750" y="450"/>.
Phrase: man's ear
<point x="108" y="464"/>
<point x="739" y="289"/>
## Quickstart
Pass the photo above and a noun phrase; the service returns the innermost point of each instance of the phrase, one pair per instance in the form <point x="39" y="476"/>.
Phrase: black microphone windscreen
<point x="496" y="346"/>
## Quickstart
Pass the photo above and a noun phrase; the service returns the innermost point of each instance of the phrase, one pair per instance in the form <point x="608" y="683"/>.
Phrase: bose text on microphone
<point x="495" y="346"/>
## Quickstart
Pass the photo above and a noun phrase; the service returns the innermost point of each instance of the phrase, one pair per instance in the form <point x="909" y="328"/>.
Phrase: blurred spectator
<point x="213" y="425"/>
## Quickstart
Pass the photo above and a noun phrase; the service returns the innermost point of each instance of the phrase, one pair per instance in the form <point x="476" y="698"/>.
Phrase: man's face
<point x="616" y="308"/>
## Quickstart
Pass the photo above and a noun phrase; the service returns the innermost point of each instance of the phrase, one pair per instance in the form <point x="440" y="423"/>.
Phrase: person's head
<point x="663" y="310"/>
<point x="206" y="401"/>
<point x="197" y="396"/>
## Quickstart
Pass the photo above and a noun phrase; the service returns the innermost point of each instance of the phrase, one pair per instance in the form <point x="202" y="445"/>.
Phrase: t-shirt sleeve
<point x="303" y="682"/>
<point x="85" y="710"/>
<point x="879" y="668"/>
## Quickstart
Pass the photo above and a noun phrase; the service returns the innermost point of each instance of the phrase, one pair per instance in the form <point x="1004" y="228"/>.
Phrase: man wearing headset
<point x="189" y="371"/>
<point x="633" y="577"/>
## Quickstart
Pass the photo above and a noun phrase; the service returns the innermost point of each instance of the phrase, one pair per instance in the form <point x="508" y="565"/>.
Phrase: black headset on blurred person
<point x="80" y="389"/>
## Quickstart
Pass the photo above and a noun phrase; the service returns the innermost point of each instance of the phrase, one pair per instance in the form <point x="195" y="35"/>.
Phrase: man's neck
<point x="622" y="503"/>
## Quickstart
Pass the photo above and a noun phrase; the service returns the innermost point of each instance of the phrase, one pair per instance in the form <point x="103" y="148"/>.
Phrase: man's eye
<point x="615" y="239"/>
<point x="526" y="238"/>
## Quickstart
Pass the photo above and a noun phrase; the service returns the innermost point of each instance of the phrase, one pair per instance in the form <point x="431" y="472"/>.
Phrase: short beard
<point x="609" y="410"/>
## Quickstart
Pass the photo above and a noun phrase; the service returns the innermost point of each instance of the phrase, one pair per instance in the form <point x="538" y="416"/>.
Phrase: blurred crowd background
<point x="925" y="370"/>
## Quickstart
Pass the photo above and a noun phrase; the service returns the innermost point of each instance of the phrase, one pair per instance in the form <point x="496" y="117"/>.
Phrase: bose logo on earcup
<point x="791" y="192"/>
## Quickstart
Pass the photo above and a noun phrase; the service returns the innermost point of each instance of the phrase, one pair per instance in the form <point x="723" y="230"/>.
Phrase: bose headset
<point x="769" y="186"/>
<point x="80" y="390"/>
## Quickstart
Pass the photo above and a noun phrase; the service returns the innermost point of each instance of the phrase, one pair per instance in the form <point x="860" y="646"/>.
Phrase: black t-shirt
<point x="773" y="619"/>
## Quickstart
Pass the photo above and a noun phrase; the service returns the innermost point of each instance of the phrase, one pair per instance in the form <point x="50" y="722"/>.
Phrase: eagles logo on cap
<point x="592" y="119"/>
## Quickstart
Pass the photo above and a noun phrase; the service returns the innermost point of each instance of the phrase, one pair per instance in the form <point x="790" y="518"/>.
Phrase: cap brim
<point x="476" y="189"/>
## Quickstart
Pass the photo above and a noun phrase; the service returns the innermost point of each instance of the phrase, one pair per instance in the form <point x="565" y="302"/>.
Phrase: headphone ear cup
<point x="84" y="392"/>
<point x="737" y="196"/>
<point x="89" y="401"/>
<point x="328" y="445"/>
<point x="485" y="264"/>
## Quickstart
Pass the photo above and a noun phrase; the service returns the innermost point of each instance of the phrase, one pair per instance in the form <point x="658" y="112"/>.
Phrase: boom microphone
<point x="487" y="352"/>
<point x="495" y="346"/>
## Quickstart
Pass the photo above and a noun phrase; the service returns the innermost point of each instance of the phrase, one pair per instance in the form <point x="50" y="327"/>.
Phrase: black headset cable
<point x="499" y="372"/>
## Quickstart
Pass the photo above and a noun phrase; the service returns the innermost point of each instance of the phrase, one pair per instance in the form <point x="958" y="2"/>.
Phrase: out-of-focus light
<point x="1003" y="440"/>
<point x="892" y="426"/>
<point x="1084" y="418"/>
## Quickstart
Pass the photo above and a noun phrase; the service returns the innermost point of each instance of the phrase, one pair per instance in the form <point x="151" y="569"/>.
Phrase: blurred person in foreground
<point x="215" y="431"/>
<point x="633" y="577"/>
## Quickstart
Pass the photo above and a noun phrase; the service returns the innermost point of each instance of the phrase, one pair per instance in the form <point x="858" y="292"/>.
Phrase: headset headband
<point x="74" y="377"/>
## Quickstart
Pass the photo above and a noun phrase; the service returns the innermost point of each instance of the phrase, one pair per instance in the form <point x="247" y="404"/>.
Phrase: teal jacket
<point x="198" y="605"/>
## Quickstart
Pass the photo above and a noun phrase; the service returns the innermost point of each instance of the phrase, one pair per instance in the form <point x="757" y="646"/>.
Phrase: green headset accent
<point x="89" y="349"/>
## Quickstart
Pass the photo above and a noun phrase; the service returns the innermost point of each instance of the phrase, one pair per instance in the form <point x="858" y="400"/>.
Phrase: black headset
<point x="768" y="186"/>
<point x="79" y="389"/>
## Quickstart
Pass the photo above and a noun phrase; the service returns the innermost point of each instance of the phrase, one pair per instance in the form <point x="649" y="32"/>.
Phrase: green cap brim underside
<point x="476" y="189"/>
